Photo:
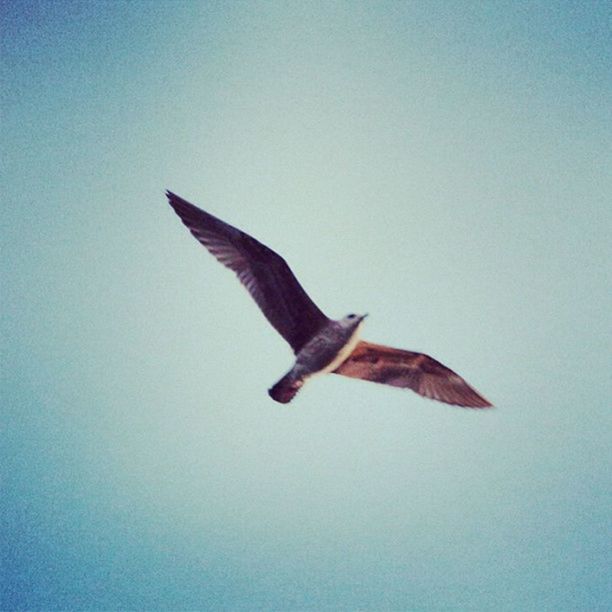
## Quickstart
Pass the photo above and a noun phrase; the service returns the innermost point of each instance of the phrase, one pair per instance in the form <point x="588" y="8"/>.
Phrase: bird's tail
<point x="286" y="388"/>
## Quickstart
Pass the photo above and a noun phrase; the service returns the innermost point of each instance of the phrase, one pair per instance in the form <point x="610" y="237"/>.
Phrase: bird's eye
<point x="352" y="316"/>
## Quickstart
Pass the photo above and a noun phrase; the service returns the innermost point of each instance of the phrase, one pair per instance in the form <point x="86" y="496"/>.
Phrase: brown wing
<point x="421" y="373"/>
<point x="263" y="272"/>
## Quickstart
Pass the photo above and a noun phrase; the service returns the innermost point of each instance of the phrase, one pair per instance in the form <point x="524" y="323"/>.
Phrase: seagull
<point x="321" y="345"/>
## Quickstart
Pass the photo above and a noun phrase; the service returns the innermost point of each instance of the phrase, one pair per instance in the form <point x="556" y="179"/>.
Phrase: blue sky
<point x="444" y="166"/>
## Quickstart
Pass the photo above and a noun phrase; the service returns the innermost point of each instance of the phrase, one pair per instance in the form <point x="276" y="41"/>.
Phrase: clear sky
<point x="444" y="166"/>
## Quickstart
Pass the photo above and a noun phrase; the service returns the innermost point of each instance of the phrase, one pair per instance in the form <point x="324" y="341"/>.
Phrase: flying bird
<point x="320" y="344"/>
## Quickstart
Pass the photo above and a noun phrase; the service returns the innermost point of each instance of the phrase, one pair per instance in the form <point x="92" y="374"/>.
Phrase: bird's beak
<point x="364" y="316"/>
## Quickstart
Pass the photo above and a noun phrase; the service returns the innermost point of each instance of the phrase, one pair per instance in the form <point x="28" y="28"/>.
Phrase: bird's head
<point x="352" y="320"/>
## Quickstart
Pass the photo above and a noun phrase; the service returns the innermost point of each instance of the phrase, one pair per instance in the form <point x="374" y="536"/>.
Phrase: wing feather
<point x="416" y="371"/>
<point x="264" y="273"/>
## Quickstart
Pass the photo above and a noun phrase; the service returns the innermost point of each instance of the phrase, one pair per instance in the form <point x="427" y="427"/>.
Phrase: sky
<point x="444" y="166"/>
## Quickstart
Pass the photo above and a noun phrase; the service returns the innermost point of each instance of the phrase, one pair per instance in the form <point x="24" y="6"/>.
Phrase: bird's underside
<point x="289" y="309"/>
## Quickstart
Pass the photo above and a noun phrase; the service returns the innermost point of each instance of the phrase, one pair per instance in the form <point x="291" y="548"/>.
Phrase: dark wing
<point x="421" y="373"/>
<point x="265" y="274"/>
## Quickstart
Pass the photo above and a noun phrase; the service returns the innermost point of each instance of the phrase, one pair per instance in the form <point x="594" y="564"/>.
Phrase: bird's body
<point x="321" y="344"/>
<point x="323" y="353"/>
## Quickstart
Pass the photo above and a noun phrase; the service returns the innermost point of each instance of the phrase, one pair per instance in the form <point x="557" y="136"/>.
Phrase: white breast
<point x="344" y="353"/>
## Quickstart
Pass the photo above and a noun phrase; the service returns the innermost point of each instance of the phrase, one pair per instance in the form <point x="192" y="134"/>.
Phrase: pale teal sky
<point x="444" y="166"/>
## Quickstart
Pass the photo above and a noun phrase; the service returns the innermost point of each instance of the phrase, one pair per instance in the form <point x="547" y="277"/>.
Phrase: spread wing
<point x="264" y="273"/>
<point x="421" y="373"/>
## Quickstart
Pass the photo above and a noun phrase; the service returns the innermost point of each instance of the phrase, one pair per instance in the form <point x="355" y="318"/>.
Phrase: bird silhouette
<point x="321" y="345"/>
